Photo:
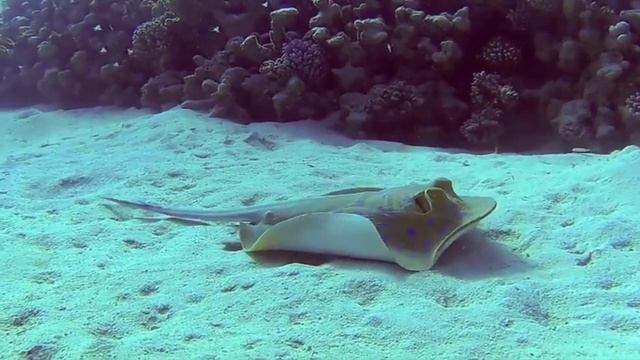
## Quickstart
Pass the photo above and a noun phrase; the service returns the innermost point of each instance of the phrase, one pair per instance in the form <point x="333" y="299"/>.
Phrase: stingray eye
<point x="269" y="218"/>
<point x="422" y="202"/>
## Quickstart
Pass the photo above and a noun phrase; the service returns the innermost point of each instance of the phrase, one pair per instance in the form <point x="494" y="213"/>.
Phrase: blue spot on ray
<point x="411" y="231"/>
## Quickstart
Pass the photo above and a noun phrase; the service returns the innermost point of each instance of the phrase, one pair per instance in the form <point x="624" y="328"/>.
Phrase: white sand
<point x="552" y="273"/>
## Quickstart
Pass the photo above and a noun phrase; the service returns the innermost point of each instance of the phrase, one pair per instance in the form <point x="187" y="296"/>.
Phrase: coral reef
<point x="448" y="73"/>
<point x="66" y="52"/>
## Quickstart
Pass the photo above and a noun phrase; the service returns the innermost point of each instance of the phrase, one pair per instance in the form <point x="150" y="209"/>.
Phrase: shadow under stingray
<point x="277" y="258"/>
<point x="472" y="256"/>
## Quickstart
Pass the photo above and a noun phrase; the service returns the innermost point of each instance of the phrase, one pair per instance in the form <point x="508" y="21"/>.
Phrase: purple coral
<point x="308" y="60"/>
<point x="491" y="90"/>
<point x="150" y="39"/>
<point x="632" y="104"/>
<point x="500" y="54"/>
<point x="393" y="104"/>
<point x="491" y="97"/>
<point x="484" y="127"/>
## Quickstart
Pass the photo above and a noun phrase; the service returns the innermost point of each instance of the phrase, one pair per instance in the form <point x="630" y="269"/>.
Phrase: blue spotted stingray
<point x="410" y="225"/>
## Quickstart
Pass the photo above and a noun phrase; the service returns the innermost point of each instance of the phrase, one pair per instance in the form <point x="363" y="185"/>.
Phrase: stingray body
<point x="410" y="225"/>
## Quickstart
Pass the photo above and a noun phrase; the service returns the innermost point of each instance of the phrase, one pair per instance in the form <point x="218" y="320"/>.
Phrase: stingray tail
<point x="187" y="214"/>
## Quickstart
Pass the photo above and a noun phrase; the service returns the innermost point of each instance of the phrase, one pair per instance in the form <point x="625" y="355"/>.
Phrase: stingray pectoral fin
<point x="327" y="233"/>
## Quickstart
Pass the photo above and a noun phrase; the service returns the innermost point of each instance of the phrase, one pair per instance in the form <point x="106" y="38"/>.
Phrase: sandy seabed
<point x="553" y="273"/>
